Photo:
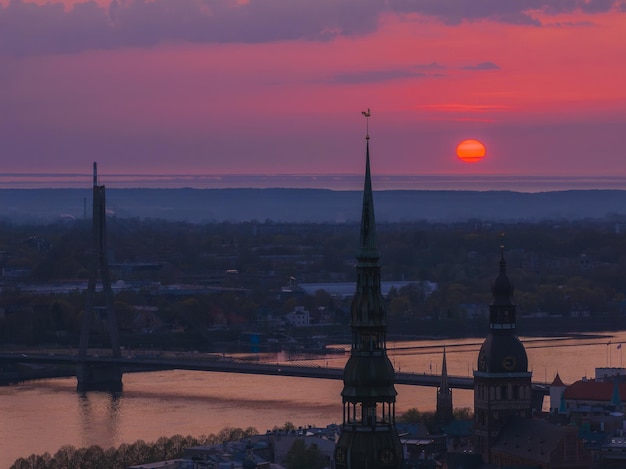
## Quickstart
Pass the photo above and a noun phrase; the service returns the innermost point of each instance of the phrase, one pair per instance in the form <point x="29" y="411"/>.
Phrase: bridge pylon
<point x="92" y="376"/>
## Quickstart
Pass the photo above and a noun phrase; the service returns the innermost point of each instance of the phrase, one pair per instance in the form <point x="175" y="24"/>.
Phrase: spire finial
<point x="367" y="115"/>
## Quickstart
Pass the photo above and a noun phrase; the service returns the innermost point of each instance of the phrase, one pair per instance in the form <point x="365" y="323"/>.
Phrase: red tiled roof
<point x="592" y="391"/>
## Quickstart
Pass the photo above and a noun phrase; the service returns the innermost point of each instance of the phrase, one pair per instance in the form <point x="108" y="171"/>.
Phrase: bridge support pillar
<point x="98" y="377"/>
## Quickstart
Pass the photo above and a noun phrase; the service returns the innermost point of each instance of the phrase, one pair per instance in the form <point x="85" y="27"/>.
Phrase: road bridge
<point x="43" y="362"/>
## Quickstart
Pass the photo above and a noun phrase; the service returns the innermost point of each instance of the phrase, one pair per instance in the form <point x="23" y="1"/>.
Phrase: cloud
<point x="482" y="66"/>
<point x="597" y="6"/>
<point x="569" y="24"/>
<point x="50" y="28"/>
<point x="430" y="70"/>
<point x="430" y="66"/>
<point x="455" y="12"/>
<point x="374" y="76"/>
<point x="29" y="29"/>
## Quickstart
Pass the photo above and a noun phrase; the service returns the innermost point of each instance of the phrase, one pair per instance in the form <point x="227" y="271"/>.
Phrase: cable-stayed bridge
<point x="39" y="365"/>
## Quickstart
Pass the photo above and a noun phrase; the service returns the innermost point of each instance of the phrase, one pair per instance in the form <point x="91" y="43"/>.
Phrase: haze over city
<point x="275" y="87"/>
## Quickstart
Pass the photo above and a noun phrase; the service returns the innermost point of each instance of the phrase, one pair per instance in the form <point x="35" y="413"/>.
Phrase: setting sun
<point x="470" y="151"/>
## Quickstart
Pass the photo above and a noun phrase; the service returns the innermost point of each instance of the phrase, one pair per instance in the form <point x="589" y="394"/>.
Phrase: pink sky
<point x="278" y="86"/>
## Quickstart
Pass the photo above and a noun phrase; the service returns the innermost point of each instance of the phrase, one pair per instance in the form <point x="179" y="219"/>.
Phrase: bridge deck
<point x="129" y="365"/>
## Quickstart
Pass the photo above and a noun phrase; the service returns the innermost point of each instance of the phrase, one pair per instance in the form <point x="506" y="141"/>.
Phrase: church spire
<point x="369" y="438"/>
<point x="367" y="247"/>
<point x="443" y="385"/>
<point x="502" y="309"/>
<point x="368" y="305"/>
<point x="444" y="395"/>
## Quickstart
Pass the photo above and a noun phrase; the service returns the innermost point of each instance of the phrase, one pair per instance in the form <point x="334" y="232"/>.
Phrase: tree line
<point x="125" y="455"/>
<point x="299" y="456"/>
<point x="557" y="267"/>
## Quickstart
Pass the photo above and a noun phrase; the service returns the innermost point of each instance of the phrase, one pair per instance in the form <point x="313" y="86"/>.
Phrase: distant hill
<point x="311" y="205"/>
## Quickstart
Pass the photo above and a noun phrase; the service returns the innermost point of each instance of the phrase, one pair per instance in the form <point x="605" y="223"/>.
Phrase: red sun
<point x="470" y="151"/>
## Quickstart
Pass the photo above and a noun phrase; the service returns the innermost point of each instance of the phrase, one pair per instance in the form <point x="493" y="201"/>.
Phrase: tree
<point x="462" y="413"/>
<point x="413" y="415"/>
<point x="287" y="427"/>
<point x="300" y="456"/>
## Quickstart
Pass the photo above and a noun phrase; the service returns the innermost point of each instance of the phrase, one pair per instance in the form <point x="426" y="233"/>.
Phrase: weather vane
<point x="367" y="115"/>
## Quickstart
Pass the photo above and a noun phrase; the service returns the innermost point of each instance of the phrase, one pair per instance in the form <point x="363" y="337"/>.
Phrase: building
<point x="505" y="434"/>
<point x="323" y="439"/>
<point x="299" y="317"/>
<point x="525" y="442"/>
<point x="557" y="387"/>
<point x="613" y="453"/>
<point x="369" y="438"/>
<point x="592" y="393"/>
<point x="252" y="452"/>
<point x="502" y="382"/>
<point x="595" y="406"/>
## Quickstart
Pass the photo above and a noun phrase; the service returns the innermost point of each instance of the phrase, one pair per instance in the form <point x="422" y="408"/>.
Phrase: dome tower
<point x="502" y="382"/>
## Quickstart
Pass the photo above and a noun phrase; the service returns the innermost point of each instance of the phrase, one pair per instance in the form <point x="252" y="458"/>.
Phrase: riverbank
<point x="540" y="326"/>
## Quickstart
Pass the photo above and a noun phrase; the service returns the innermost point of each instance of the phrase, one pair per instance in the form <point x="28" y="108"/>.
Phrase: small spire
<point x="502" y="289"/>
<point x="557" y="382"/>
<point x="95" y="174"/>
<point x="444" y="395"/>
<point x="444" y="373"/>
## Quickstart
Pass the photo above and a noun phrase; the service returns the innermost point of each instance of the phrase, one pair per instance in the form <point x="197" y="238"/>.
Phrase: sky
<point x="277" y="87"/>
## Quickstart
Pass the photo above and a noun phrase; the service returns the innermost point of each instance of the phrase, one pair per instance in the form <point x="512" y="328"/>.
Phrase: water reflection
<point x="45" y="415"/>
<point x="99" y="417"/>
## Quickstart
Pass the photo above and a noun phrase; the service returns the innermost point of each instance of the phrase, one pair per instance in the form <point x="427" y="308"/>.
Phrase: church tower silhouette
<point x="369" y="438"/>
<point x="502" y="382"/>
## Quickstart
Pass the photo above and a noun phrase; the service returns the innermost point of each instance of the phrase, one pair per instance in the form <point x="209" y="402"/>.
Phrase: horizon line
<point x="89" y="174"/>
<point x="334" y="181"/>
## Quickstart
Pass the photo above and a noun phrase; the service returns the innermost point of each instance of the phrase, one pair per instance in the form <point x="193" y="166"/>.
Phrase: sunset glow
<point x="470" y="151"/>
<point x="220" y="87"/>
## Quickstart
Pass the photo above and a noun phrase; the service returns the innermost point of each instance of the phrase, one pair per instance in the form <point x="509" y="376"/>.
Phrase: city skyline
<point x="274" y="87"/>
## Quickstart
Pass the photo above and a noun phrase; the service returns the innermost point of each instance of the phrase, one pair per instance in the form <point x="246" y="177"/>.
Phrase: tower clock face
<point x="509" y="362"/>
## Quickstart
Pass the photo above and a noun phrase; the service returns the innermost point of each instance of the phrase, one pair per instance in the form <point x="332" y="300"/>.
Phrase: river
<point x="44" y="415"/>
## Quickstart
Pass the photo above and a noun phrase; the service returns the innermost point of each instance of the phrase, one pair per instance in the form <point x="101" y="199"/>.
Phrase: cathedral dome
<point x="502" y="354"/>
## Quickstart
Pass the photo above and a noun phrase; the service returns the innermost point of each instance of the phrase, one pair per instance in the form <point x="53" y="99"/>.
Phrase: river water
<point x="44" y="415"/>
